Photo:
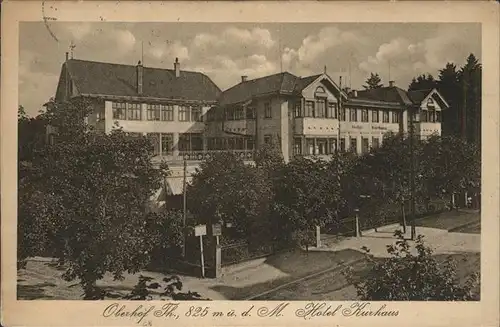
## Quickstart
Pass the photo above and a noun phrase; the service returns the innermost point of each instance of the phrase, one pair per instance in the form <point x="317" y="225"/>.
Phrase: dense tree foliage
<point x="224" y="189"/>
<point x="91" y="192"/>
<point x="373" y="82"/>
<point x="412" y="275"/>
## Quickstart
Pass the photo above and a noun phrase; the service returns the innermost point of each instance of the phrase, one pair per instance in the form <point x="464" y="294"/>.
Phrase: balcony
<point x="240" y="127"/>
<point x="316" y="126"/>
<point x="198" y="156"/>
<point x="428" y="128"/>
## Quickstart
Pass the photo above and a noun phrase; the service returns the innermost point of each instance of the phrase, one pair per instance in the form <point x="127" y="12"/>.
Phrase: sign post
<point x="201" y="230"/>
<point x="217" y="231"/>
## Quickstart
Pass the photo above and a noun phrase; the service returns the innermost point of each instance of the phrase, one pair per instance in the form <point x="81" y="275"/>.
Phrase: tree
<point x="224" y="189"/>
<point x="306" y="196"/>
<point x="385" y="176"/>
<point x="269" y="158"/>
<point x="423" y="82"/>
<point x="373" y="82"/>
<point x="98" y="187"/>
<point x="470" y="80"/>
<point x="449" y="87"/>
<point x="449" y="165"/>
<point x="409" y="276"/>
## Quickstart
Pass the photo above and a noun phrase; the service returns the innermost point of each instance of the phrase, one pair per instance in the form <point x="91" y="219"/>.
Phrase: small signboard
<point x="200" y="230"/>
<point x="217" y="229"/>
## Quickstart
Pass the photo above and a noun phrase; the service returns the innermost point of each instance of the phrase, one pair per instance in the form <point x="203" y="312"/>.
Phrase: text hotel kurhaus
<point x="188" y="116"/>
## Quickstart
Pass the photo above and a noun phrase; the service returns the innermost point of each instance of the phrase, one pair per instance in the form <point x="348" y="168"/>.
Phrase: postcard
<point x="250" y="163"/>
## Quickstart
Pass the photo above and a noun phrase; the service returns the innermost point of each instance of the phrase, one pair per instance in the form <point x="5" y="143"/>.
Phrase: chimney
<point x="392" y="83"/>
<point x="67" y="56"/>
<point x="355" y="93"/>
<point x="244" y="79"/>
<point x="177" y="67"/>
<point x="140" y="76"/>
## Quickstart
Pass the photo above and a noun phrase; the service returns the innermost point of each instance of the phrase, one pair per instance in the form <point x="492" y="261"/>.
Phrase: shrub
<point x="412" y="276"/>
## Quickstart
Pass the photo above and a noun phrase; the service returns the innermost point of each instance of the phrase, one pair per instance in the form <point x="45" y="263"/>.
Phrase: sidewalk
<point x="442" y="241"/>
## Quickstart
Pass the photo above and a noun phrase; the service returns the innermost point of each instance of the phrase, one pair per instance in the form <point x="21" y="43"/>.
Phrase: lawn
<point x="451" y="220"/>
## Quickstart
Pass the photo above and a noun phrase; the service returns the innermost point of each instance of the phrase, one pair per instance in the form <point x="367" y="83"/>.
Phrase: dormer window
<point x="430" y="103"/>
<point x="320" y="92"/>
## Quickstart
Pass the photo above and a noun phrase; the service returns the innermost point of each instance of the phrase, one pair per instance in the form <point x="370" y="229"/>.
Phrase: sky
<point x="226" y="51"/>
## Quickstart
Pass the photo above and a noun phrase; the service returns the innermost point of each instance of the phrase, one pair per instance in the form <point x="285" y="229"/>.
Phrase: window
<point x="333" y="145"/>
<point x="239" y="113"/>
<point x="297" y="112"/>
<point x="250" y="113"/>
<point x="342" y="144"/>
<point x="309" y="109"/>
<point x="267" y="110"/>
<point x="155" y="140"/>
<point x="341" y="114"/>
<point x="364" y="115"/>
<point x="297" y="146"/>
<point x="353" y="144"/>
<point x="310" y="147"/>
<point x="374" y="116"/>
<point x="229" y="113"/>
<point x="267" y="139"/>
<point x="190" y="142"/>
<point x="430" y="103"/>
<point x="432" y="116"/>
<point x="167" y="112"/>
<point x="196" y="142"/>
<point x="353" y="115"/>
<point x="153" y="112"/>
<point x="395" y="117"/>
<point x="385" y="117"/>
<point x="133" y="111"/>
<point x="320" y="108"/>
<point x="211" y="116"/>
<point x="438" y="116"/>
<point x="321" y="146"/>
<point x="167" y="144"/>
<point x="250" y="143"/>
<point x="119" y="110"/>
<point x="196" y="114"/>
<point x="184" y="142"/>
<point x="332" y="110"/>
<point x="364" y="145"/>
<point x="424" y="116"/>
<point x="375" y="142"/>
<point x="183" y="113"/>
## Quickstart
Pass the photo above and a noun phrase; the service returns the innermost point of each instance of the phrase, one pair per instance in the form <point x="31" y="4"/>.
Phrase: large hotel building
<point x="188" y="117"/>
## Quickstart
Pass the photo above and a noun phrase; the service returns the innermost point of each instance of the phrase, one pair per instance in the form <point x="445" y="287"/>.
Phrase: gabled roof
<point x="417" y="96"/>
<point x="386" y="94"/>
<point x="281" y="83"/>
<point x="107" y="79"/>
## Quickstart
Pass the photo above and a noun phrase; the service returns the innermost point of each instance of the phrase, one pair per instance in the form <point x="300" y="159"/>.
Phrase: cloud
<point x="79" y="30"/>
<point x="410" y="58"/>
<point x="330" y="45"/>
<point x="169" y="50"/>
<point x="124" y="39"/>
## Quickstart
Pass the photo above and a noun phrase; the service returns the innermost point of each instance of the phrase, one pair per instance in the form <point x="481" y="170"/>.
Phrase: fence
<point x="242" y="251"/>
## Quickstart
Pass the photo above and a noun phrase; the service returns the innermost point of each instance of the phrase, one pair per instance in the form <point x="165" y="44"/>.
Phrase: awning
<point x="174" y="185"/>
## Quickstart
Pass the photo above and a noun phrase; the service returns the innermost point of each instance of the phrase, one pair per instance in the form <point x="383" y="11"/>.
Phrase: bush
<point x="166" y="236"/>
<point x="410" y="276"/>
